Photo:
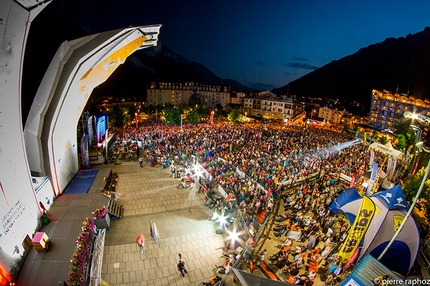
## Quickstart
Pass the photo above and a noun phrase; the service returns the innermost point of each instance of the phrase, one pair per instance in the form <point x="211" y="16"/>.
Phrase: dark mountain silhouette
<point x="393" y="64"/>
<point x="159" y="64"/>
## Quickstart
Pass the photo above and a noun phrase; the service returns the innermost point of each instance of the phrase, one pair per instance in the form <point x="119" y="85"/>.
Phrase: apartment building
<point x="387" y="108"/>
<point x="270" y="107"/>
<point x="180" y="93"/>
<point x="333" y="116"/>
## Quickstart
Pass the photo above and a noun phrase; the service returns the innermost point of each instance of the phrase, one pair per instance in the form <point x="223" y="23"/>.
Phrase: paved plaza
<point x="147" y="194"/>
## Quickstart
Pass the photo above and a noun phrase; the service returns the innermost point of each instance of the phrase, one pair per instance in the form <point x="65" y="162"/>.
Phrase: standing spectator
<point x="252" y="265"/>
<point x="140" y="240"/>
<point x="262" y="255"/>
<point x="311" y="242"/>
<point x="181" y="267"/>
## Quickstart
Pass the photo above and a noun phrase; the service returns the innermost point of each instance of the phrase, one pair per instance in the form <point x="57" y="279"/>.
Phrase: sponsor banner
<point x="373" y="176"/>
<point x="351" y="185"/>
<point x="84" y="152"/>
<point x="358" y="229"/>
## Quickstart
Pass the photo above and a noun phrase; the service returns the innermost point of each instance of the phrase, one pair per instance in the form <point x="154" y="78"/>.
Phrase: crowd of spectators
<point x="257" y="164"/>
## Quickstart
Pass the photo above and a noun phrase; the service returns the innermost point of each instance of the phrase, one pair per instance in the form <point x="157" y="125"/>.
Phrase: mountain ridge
<point x="393" y="64"/>
<point x="158" y="64"/>
<point x="396" y="64"/>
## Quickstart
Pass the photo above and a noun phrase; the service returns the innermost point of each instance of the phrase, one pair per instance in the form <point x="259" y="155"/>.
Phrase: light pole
<point x="422" y="118"/>
<point x="411" y="208"/>
<point x="415" y="151"/>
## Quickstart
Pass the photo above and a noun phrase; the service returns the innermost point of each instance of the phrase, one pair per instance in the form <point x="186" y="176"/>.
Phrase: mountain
<point x="159" y="64"/>
<point x="401" y="63"/>
<point x="394" y="63"/>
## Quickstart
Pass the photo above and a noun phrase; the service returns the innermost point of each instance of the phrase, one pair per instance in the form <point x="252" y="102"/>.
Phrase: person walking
<point x="140" y="240"/>
<point x="181" y="267"/>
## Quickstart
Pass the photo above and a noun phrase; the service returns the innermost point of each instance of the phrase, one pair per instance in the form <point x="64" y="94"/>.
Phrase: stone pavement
<point x="147" y="194"/>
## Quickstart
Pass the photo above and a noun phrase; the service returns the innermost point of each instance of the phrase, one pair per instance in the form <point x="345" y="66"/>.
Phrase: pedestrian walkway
<point x="147" y="194"/>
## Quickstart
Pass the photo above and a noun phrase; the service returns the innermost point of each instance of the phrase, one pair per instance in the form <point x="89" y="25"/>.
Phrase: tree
<point x="116" y="117"/>
<point x="172" y="115"/>
<point x="403" y="127"/>
<point x="193" y="116"/>
<point x="234" y="116"/>
<point x="203" y="110"/>
<point x="411" y="187"/>
<point x="383" y="140"/>
<point x="345" y="128"/>
<point x="401" y="142"/>
<point x="219" y="109"/>
<point x="131" y="109"/>
<point x="194" y="99"/>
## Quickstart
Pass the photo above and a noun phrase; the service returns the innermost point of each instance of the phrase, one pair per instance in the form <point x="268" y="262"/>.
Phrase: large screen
<point x="101" y="127"/>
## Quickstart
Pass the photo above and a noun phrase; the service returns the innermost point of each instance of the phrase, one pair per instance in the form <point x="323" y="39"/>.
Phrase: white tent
<point x="393" y="157"/>
<point x="387" y="149"/>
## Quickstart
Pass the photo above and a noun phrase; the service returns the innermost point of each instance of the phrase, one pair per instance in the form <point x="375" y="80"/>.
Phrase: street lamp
<point x="411" y="208"/>
<point x="417" y="139"/>
<point x="422" y="118"/>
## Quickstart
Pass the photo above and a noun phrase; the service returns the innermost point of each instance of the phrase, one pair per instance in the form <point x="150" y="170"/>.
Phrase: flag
<point x="373" y="176"/>
<point x="352" y="183"/>
<point x="358" y="229"/>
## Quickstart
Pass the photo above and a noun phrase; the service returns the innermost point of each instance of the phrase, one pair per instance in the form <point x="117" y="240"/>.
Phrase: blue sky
<point x="261" y="44"/>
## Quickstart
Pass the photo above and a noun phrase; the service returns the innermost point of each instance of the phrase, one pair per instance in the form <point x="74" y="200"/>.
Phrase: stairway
<point x="116" y="210"/>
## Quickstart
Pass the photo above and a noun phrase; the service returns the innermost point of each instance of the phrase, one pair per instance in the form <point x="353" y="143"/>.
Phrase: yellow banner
<point x="358" y="229"/>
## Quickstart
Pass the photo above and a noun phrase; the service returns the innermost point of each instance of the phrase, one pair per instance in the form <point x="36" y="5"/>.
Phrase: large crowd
<point x="258" y="165"/>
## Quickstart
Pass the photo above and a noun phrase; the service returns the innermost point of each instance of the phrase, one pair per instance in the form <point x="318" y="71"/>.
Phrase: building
<point x="333" y="116"/>
<point x="45" y="147"/>
<point x="387" y="108"/>
<point x="236" y="101"/>
<point x="271" y="107"/>
<point x="179" y="94"/>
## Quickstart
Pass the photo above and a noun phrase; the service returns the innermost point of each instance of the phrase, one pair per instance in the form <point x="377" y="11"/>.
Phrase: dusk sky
<point x="261" y="44"/>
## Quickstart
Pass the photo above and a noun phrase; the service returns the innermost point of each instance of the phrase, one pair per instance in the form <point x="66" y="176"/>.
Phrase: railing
<point x="424" y="259"/>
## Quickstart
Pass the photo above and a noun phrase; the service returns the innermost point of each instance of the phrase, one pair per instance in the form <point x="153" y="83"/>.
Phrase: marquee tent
<point x="390" y="210"/>
<point x="387" y="149"/>
<point x="393" y="156"/>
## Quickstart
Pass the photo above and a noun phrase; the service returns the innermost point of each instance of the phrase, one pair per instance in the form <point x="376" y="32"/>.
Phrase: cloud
<point x="300" y="66"/>
<point x="261" y="63"/>
<point x="300" y="59"/>
<point x="260" y="86"/>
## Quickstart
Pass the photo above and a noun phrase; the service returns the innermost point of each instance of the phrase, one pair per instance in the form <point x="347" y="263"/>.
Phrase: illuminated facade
<point x="386" y="108"/>
<point x="39" y="158"/>
<point x="272" y="108"/>
<point x="180" y="93"/>
<point x="331" y="115"/>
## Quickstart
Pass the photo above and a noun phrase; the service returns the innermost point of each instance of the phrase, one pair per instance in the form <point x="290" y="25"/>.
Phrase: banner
<point x="358" y="229"/>
<point x="90" y="130"/>
<point x="373" y="176"/>
<point x="415" y="167"/>
<point x="85" y="158"/>
<point x="352" y="183"/>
